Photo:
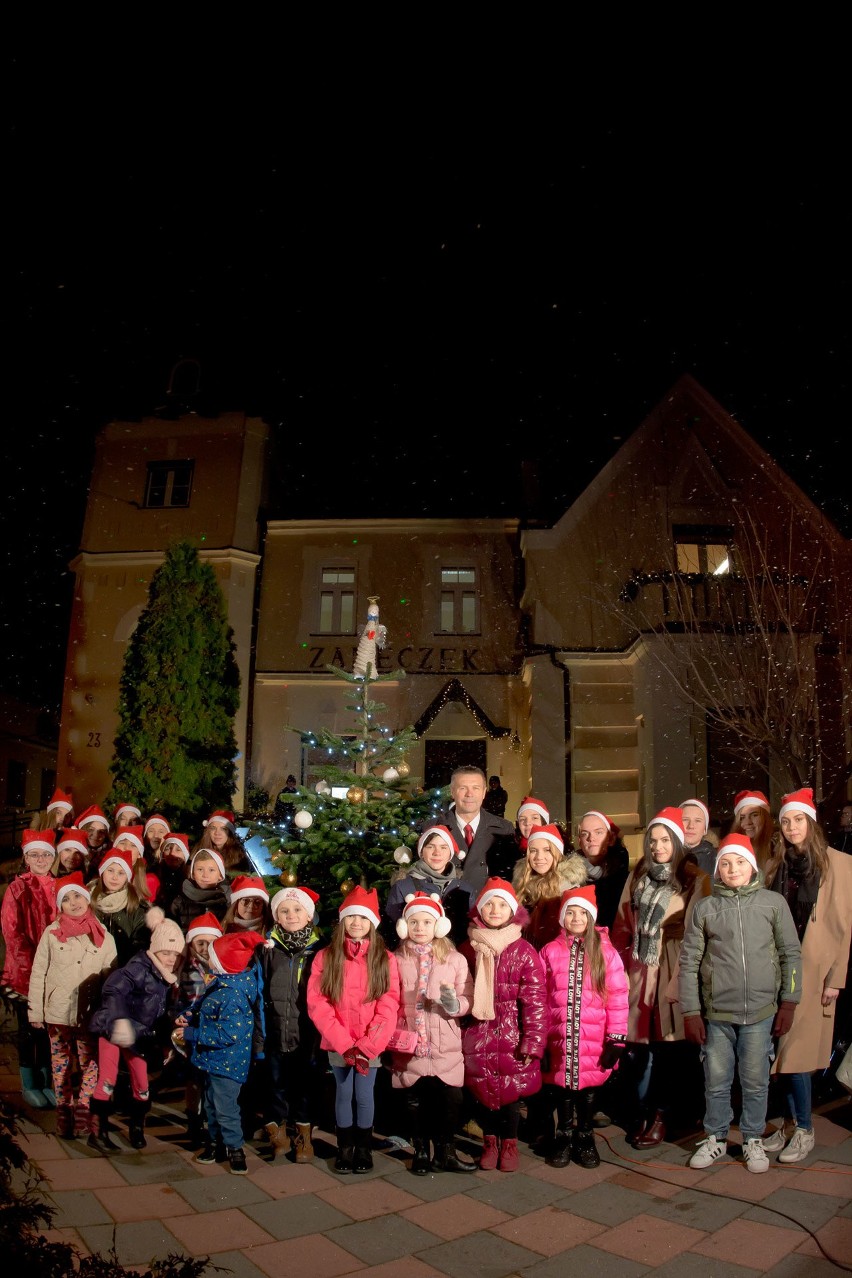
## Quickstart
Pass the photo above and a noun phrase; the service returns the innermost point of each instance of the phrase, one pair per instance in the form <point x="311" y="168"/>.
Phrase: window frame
<point x="337" y="591"/>
<point x="701" y="537"/>
<point x="170" y="468"/>
<point x="457" y="591"/>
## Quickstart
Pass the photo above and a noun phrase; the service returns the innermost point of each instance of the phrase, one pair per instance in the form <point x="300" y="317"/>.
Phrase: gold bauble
<point x="346" y="886"/>
<point x="355" y="794"/>
<point x="403" y="769"/>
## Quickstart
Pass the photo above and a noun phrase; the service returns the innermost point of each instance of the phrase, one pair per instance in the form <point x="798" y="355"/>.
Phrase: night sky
<point x="448" y="299"/>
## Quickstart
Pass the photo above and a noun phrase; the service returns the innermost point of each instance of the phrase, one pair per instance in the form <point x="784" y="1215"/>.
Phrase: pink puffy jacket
<point x="599" y="1017"/>
<point x="352" y="1022"/>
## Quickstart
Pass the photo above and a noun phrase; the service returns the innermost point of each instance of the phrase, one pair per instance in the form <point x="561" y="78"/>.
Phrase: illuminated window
<point x="708" y="551"/>
<point x="169" y="484"/>
<point x="459" y="602"/>
<point x="337" y="602"/>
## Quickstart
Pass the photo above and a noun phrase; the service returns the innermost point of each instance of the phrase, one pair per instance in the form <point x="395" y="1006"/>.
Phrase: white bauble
<point x="303" y="820"/>
<point x="390" y="775"/>
<point x="402" y="856"/>
<point x="322" y="787"/>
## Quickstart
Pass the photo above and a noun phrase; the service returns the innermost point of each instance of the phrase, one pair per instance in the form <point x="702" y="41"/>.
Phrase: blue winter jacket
<point x="222" y="1034"/>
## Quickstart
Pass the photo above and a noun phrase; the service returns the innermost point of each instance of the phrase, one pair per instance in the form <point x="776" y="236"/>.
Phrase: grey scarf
<point x="650" y="901"/>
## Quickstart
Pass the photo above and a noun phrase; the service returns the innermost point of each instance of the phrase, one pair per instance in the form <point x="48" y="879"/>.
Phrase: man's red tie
<point x="468" y="834"/>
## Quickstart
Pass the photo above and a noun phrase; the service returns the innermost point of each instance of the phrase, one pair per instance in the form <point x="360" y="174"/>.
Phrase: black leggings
<point x="502" y="1122"/>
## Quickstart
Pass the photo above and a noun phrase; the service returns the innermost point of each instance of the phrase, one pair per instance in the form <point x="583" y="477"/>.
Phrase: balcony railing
<point x="689" y="601"/>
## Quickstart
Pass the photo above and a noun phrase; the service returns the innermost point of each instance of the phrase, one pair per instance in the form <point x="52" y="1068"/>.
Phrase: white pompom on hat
<point x="423" y="903"/>
<point x="301" y="895"/>
<point x="696" y="803"/>
<point x="497" y="887"/>
<point x="739" y="844"/>
<point x="798" y="801"/>
<point x="551" y="833"/>
<point x="213" y="855"/>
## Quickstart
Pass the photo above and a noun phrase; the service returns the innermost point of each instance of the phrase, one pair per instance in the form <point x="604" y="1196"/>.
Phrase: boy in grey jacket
<point x="740" y="968"/>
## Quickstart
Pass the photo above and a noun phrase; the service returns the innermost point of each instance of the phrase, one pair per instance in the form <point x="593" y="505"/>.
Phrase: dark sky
<point x="446" y="300"/>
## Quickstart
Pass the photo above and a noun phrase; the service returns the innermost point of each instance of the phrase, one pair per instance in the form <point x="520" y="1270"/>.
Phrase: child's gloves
<point x="783" y="1022"/>
<point x="611" y="1055"/>
<point x="362" y="1063"/>
<point x="695" y="1029"/>
<point x="123" y="1033"/>
<point x="350" y="1057"/>
<point x="449" y="1000"/>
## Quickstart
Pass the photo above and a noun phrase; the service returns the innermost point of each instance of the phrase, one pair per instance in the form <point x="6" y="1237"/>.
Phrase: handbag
<point x="402" y="1040"/>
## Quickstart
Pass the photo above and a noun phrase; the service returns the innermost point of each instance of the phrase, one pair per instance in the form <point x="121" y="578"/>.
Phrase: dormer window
<point x="705" y="551"/>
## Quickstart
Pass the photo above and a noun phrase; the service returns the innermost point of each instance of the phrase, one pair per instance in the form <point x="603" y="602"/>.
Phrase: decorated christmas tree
<point x="360" y="820"/>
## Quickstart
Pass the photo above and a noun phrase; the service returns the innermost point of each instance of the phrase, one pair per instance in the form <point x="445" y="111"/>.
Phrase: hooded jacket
<point x="445" y="1059"/>
<point x="574" y="1062"/>
<point x="354" y="1022"/>
<point x="67" y="976"/>
<point x="222" y="1033"/>
<point x="137" y="992"/>
<point x="543" y="924"/>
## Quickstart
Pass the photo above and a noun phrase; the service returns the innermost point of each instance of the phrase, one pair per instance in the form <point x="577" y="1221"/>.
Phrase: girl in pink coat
<point x="437" y="990"/>
<point x="353" y="999"/>
<point x="587" y="998"/>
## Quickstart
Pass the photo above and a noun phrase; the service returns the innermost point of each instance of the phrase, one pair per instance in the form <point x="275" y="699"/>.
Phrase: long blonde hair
<point x="766" y="843"/>
<point x="441" y="947"/>
<point x="530" y="888"/>
<point x="378" y="967"/>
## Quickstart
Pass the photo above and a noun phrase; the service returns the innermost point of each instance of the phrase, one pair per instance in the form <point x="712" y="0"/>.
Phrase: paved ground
<point x="638" y="1213"/>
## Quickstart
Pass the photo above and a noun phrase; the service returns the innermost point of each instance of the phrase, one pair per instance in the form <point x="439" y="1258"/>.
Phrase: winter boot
<point x="301" y="1143"/>
<point x="652" y="1134"/>
<point x="490" y="1155"/>
<point x="278" y="1138"/>
<point x="82" y="1117"/>
<point x="420" y="1163"/>
<point x="237" y="1161"/>
<point x="584" y="1151"/>
<point x="363" y="1160"/>
<point x="136" y="1123"/>
<point x="560" y="1155"/>
<point x="212" y="1153"/>
<point x="31" y="1088"/>
<point x="99" y="1137"/>
<point x="65" y="1121"/>
<point x="509" y="1160"/>
<point x="345" y="1150"/>
<point x="447" y="1159"/>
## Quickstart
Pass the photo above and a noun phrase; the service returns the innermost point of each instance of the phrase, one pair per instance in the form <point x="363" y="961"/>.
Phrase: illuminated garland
<point x="454" y="690"/>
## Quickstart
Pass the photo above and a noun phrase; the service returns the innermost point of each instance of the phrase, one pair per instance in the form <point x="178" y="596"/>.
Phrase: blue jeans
<point x="797" y="1093"/>
<point x="747" y="1049"/>
<point x="222" y="1102"/>
<point x="354" y="1099"/>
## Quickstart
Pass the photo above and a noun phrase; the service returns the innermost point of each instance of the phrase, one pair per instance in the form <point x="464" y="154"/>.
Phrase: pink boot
<point x="490" y="1153"/>
<point x="509" y="1160"/>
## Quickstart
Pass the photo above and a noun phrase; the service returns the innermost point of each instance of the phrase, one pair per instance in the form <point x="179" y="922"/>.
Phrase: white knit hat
<point x="300" y="895"/>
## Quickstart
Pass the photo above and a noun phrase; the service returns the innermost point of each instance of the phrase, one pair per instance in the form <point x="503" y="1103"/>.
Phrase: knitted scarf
<point x="423" y="873"/>
<point x="651" y="898"/>
<point x="798" y="889"/>
<point x="425" y="959"/>
<point x="293" y="942"/>
<point x="112" y="902"/>
<point x="86" y="925"/>
<point x="488" y="944"/>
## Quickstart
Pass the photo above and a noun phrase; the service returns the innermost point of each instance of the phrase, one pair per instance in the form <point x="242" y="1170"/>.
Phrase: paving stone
<point x="214" y="1193"/>
<point x="690" y="1265"/>
<point x="643" y="1240"/>
<point x="834" y="1242"/>
<point x="482" y="1254"/>
<point x="289" y="1218"/>
<point x="200" y="1235"/>
<point x="588" y="1260"/>
<point x="431" y="1188"/>
<point x="76" y="1207"/>
<point x="746" y="1242"/>
<point x="608" y="1204"/>
<point x="798" y="1266"/>
<point x="548" y="1231"/>
<point x="793" y="1210"/>
<point x="137" y="1169"/>
<point x="236" y="1264"/>
<point x="375" y="1244"/>
<point x="136" y="1243"/>
<point x="516" y="1193"/>
<point x="822" y="1178"/>
<point x="317" y="1256"/>
<point x="142" y="1202"/>
<point x="455" y="1216"/>
<point x="701" y="1211"/>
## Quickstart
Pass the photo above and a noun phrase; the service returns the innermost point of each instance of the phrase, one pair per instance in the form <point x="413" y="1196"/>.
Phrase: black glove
<point x="611" y="1055"/>
<point x="783" y="1022"/>
<point x="695" y="1029"/>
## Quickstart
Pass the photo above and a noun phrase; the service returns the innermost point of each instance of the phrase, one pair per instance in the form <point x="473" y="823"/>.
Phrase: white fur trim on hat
<point x="750" y="799"/>
<point x="214" y="856"/>
<point x="293" y="894"/>
<point x="116" y="860"/>
<point x="253" y="889"/>
<point x="593" y="812"/>
<point x="507" y="896"/>
<point x="534" y="805"/>
<point x="120" y="835"/>
<point x="200" y="928"/>
<point x="582" y="901"/>
<point x="548" y="834"/>
<point x="156" y="819"/>
<point x="736" y="845"/>
<point x="796" y="802"/>
<point x="696" y="803"/>
<point x="423" y="903"/>
<point x="63" y="891"/>
<point x="445" y="836"/>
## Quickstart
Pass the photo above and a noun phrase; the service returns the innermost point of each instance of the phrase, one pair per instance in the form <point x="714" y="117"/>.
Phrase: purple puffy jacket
<point x="494" y="1050"/>
<point x="598" y="1017"/>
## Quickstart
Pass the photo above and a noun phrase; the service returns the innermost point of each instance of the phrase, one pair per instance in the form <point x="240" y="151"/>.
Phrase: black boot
<point x="447" y="1159"/>
<point x="136" y="1123"/>
<point x="99" y="1137"/>
<point x="345" y="1150"/>
<point x="560" y="1154"/>
<point x="420" y="1163"/>
<point x="363" y="1160"/>
<point x="584" y="1151"/>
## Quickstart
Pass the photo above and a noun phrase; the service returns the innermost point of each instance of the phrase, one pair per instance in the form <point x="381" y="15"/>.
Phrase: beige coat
<point x="825" y="956"/>
<point x="655" y="1014"/>
<point x="67" y="976"/>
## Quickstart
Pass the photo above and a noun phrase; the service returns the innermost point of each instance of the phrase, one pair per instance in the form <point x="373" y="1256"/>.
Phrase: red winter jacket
<point x="598" y="1018"/>
<point x="494" y="1050"/>
<point x="29" y="904"/>
<point x="352" y="1022"/>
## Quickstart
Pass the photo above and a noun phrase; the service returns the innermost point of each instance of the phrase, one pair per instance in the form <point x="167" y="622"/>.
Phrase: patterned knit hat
<point x="750" y="799"/>
<point x="672" y="818"/>
<point x="549" y="832"/>
<point x="204" y="925"/>
<point x="584" y="896"/>
<point x="363" y="902"/>
<point x="497" y="887"/>
<point x="166" y="936"/>
<point x="423" y="903"/>
<point x="301" y="895"/>
<point x="798" y="801"/>
<point x="71" y="883"/>
<point x="738" y="843"/>
<point x="233" y="952"/>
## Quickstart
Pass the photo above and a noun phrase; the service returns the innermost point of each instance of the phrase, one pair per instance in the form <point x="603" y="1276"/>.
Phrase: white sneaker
<point x="708" y="1152"/>
<point x="755" y="1158"/>
<point x="800" y="1146"/>
<point x="775" y="1143"/>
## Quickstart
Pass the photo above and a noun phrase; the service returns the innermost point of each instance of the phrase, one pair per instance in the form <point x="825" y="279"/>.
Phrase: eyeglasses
<point x="40" y="856"/>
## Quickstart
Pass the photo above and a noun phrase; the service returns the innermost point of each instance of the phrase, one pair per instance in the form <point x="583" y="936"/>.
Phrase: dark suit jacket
<point x="493" y="851"/>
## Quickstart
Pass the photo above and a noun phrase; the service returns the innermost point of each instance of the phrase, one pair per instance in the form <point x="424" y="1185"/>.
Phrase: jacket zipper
<point x="745" y="969"/>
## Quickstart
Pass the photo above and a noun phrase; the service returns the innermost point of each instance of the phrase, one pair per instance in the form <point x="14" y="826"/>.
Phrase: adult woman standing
<point x="753" y="818"/>
<point x="648" y="932"/>
<point x="607" y="862"/>
<point x="816" y="882"/>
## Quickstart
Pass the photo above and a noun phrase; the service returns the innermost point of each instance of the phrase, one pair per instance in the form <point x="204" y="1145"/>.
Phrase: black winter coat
<point x="137" y="992"/>
<point x="285" y="988"/>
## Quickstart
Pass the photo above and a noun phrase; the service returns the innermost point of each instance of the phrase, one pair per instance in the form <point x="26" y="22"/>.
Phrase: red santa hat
<point x="204" y="925"/>
<point x="117" y="856"/>
<point x="529" y="804"/>
<point x="248" y="885"/>
<point x="61" y="801"/>
<point x="423" y="903"/>
<point x="221" y="817"/>
<point x="71" y="883"/>
<point x="750" y="799"/>
<point x="497" y="887"/>
<point x="156" y="819"/>
<point x="672" y="818"/>
<point x="301" y="895"/>
<point x="363" y="902"/>
<point x="705" y="811"/>
<point x="92" y="816"/>
<point x="208" y="854"/>
<point x="178" y="843"/>
<point x="72" y="838"/>
<point x="593" y="812"/>
<point x="38" y="841"/>
<point x="233" y="952"/>
<point x="583" y="896"/>
<point x="550" y="832"/>
<point x="445" y="834"/>
<point x="133" y="834"/>
<point x="738" y="843"/>
<point x="125" y="809"/>
<point x="798" y="801"/>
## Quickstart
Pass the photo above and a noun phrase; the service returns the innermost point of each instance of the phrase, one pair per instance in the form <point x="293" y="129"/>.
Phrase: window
<point x="708" y="551"/>
<point x="337" y="602"/>
<point x="16" y="783"/>
<point x="169" y="483"/>
<point x="459" y="602"/>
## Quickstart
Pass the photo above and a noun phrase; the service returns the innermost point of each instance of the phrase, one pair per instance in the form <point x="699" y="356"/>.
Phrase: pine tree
<point x="333" y="843"/>
<point x="179" y="691"/>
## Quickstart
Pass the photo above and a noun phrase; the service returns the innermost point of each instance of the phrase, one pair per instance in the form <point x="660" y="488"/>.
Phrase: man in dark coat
<point x="489" y="840"/>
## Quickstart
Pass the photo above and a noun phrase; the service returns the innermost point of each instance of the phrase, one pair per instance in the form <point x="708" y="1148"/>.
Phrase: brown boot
<point x="278" y="1138"/>
<point x="301" y="1143"/>
<point x="652" y="1135"/>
